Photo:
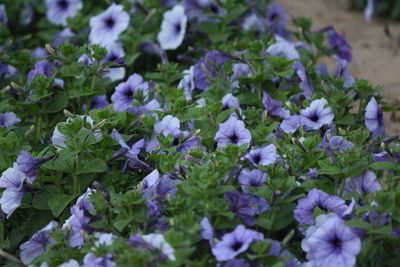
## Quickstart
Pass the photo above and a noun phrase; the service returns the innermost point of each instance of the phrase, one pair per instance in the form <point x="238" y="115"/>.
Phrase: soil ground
<point x="376" y="57"/>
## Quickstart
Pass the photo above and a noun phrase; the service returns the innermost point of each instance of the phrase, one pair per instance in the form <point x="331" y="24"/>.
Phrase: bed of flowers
<point x="193" y="133"/>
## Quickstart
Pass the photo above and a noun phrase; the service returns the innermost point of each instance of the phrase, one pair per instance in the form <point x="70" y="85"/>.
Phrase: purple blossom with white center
<point x="173" y="28"/>
<point x="41" y="67"/>
<point x="343" y="72"/>
<point x="339" y="45"/>
<point x="233" y="131"/>
<point x="283" y="48"/>
<point x="248" y="178"/>
<point x="364" y="184"/>
<point x="187" y="83"/>
<point x="230" y="101"/>
<point x="207" y="68"/>
<point x="304" y="212"/>
<point x="91" y="260"/>
<point x="58" y="11"/>
<point x="12" y="180"/>
<point x="37" y="244"/>
<point x="305" y="83"/>
<point x="123" y="97"/>
<point x="274" y="107"/>
<point x="331" y="243"/>
<point x="277" y="19"/>
<point x="263" y="156"/>
<point x="107" y="26"/>
<point x="253" y="22"/>
<point x="318" y="114"/>
<point x="8" y="119"/>
<point x="246" y="206"/>
<point x="116" y="55"/>
<point x="374" y="119"/>
<point x="3" y="14"/>
<point x="235" y="243"/>
<point x="30" y="165"/>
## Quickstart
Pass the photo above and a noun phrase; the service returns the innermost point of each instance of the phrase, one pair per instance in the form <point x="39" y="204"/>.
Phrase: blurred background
<point x="376" y="44"/>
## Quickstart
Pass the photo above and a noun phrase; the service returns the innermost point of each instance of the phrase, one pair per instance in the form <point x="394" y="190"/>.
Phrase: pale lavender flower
<point x="284" y="48"/>
<point x="364" y="184"/>
<point x="133" y="150"/>
<point x="116" y="55"/>
<point x="207" y="231"/>
<point x="253" y="22"/>
<point x="338" y="144"/>
<point x="62" y="37"/>
<point x="3" y="14"/>
<point x="318" y="113"/>
<point x="58" y="11"/>
<point x="343" y="72"/>
<point x="339" y="45"/>
<point x="104" y="239"/>
<point x="248" y="178"/>
<point x="77" y="225"/>
<point x="37" y="244"/>
<point x="187" y="83"/>
<point x="173" y="28"/>
<point x="305" y="83"/>
<point x="8" y="119"/>
<point x="293" y="123"/>
<point x="70" y="263"/>
<point x="331" y="243"/>
<point x="153" y="242"/>
<point x="312" y="172"/>
<point x="235" y="243"/>
<point x="30" y="165"/>
<point x="233" y="131"/>
<point x="374" y="119"/>
<point x="7" y="70"/>
<point x="84" y="203"/>
<point x="12" y="180"/>
<point x="168" y="125"/>
<point x="124" y="94"/>
<point x="274" y="107"/>
<point x="41" y="67"/>
<point x="263" y="156"/>
<point x="107" y="26"/>
<point x="91" y="260"/>
<point x="230" y="101"/>
<point x="277" y="19"/>
<point x="304" y="212"/>
<point x="370" y="9"/>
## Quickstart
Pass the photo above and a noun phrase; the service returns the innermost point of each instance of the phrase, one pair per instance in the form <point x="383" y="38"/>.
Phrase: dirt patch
<point x="376" y="57"/>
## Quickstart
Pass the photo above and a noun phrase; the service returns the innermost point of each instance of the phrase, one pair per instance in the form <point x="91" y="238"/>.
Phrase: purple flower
<point x="187" y="83"/>
<point x="274" y="107"/>
<point x="199" y="9"/>
<point x="207" y="68"/>
<point x="99" y="102"/>
<point x="293" y="123"/>
<point x="335" y="143"/>
<point x="312" y="172"/>
<point x="77" y="225"/>
<point x="343" y="72"/>
<point x="133" y="150"/>
<point x="124" y="94"/>
<point x="41" y="67"/>
<point x="262" y="156"/>
<point x="249" y="178"/>
<point x="3" y="14"/>
<point x="235" y="243"/>
<point x="70" y="263"/>
<point x="12" y="180"/>
<point x="116" y="55"/>
<point x="339" y="45"/>
<point x="30" y="165"/>
<point x="331" y="243"/>
<point x="230" y="101"/>
<point x="7" y="70"/>
<point x="253" y="22"/>
<point x="8" y="119"/>
<point x="59" y="10"/>
<point x="277" y="18"/>
<point x="283" y="48"/>
<point x="91" y="260"/>
<point x="364" y="184"/>
<point x="304" y="212"/>
<point x="107" y="26"/>
<point x="369" y="9"/>
<point x="317" y="114"/>
<point x="305" y="83"/>
<point x="233" y="131"/>
<point x="61" y="37"/>
<point x="173" y="28"/>
<point x="168" y="125"/>
<point x="207" y="231"/>
<point x="152" y="242"/>
<point x="84" y="203"/>
<point x="374" y="119"/>
<point x="38" y="243"/>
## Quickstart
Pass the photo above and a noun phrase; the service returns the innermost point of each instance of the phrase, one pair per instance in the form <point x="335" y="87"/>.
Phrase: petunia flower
<point x="283" y="48"/>
<point x="207" y="231"/>
<point x="70" y="263"/>
<point x="364" y="184"/>
<point x="116" y="55"/>
<point x="274" y="107"/>
<point x="305" y="83"/>
<point x="342" y="71"/>
<point x="187" y="83"/>
<point x="41" y="67"/>
<point x="263" y="156"/>
<point x="277" y="19"/>
<point x="230" y="101"/>
<point x="58" y="11"/>
<point x="107" y="26"/>
<point x="91" y="260"/>
<point x="374" y="118"/>
<point x="248" y="178"/>
<point x="339" y="44"/>
<point x="30" y="165"/>
<point x="235" y="243"/>
<point x="253" y="22"/>
<point x="173" y="28"/>
<point x="37" y="244"/>
<point x="233" y="131"/>
<point x="151" y="242"/>
<point x="76" y="225"/>
<point x="331" y="243"/>
<point x="3" y="14"/>
<point x="12" y="180"/>
<point x="8" y="119"/>
<point x="318" y="114"/>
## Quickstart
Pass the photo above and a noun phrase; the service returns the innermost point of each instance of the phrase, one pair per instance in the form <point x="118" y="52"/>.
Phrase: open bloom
<point x="12" y="180"/>
<point x="283" y="48"/>
<point x="277" y="18"/>
<point x="249" y="178"/>
<point x="173" y="28"/>
<point x="235" y="243"/>
<point x="187" y="83"/>
<point x="263" y="156"/>
<point x="91" y="260"/>
<point x="116" y="55"/>
<point x="318" y="114"/>
<point x="30" y="165"/>
<point x="59" y="10"/>
<point x="305" y="83"/>
<point x="339" y="44"/>
<point x="38" y="243"/>
<point x="331" y="243"/>
<point x="274" y="107"/>
<point x="8" y="119"/>
<point x="233" y="131"/>
<point x="364" y="184"/>
<point x="374" y="118"/>
<point x="107" y="26"/>
<point x="151" y="242"/>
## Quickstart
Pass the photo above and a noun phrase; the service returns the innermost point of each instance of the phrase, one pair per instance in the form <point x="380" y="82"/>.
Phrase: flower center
<point x="234" y="139"/>
<point x="237" y="245"/>
<point x="110" y="22"/>
<point x="314" y="117"/>
<point x="178" y="28"/>
<point x="336" y="242"/>
<point x="129" y="94"/>
<point x="257" y="159"/>
<point x="63" y="4"/>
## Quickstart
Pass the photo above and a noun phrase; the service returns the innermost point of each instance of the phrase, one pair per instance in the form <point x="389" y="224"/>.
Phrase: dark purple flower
<point x="249" y="178"/>
<point x="235" y="243"/>
<point x="37" y="244"/>
<point x="207" y="68"/>
<point x="58" y="11"/>
<point x="8" y="119"/>
<point x="173" y="28"/>
<point x="364" y="184"/>
<point x="41" y="67"/>
<point x="263" y="156"/>
<point x="7" y="70"/>
<point x="331" y="243"/>
<point x="305" y="83"/>
<point x="246" y="206"/>
<point x="374" y="118"/>
<point x="339" y="45"/>
<point x="30" y="165"/>
<point x="91" y="260"/>
<point x="277" y="19"/>
<point x="343" y="72"/>
<point x="233" y="131"/>
<point x="318" y="114"/>
<point x="304" y="212"/>
<point x="12" y="180"/>
<point x="274" y="107"/>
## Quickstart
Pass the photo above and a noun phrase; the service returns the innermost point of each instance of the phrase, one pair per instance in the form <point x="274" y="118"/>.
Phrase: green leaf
<point x="58" y="202"/>
<point x="59" y="102"/>
<point x="93" y="166"/>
